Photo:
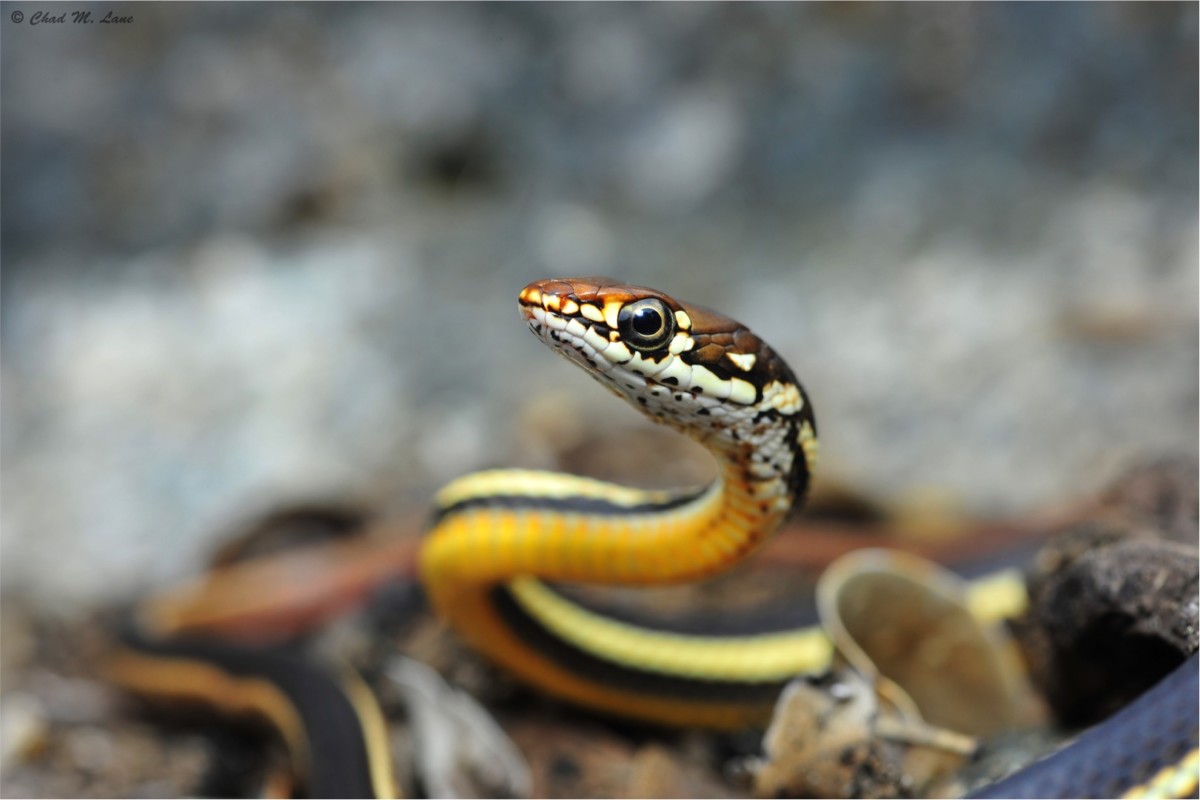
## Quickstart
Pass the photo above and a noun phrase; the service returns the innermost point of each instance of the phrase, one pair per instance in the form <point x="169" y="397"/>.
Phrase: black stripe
<point x="621" y="676"/>
<point x="338" y="764"/>
<point x="580" y="505"/>
<point x="781" y="615"/>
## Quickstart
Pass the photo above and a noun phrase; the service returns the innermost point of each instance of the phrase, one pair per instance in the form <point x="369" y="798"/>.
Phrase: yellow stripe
<point x="375" y="733"/>
<point x="768" y="657"/>
<point x="1177" y="780"/>
<point x="765" y="657"/>
<point x="549" y="485"/>
<point x="998" y="596"/>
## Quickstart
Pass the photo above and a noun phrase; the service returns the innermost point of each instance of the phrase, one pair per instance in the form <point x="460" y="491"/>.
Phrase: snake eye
<point x="647" y="324"/>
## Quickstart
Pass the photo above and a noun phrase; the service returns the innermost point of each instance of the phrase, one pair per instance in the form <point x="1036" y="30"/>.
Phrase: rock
<point x="1113" y="600"/>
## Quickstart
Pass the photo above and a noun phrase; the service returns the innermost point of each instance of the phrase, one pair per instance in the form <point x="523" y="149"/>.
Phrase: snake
<point x="502" y="544"/>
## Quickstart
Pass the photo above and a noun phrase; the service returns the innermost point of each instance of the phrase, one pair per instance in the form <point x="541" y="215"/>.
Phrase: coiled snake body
<point x="499" y="538"/>
<point x="499" y="534"/>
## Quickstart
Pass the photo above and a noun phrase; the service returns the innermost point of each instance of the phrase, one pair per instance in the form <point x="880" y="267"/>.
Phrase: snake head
<point x="680" y="364"/>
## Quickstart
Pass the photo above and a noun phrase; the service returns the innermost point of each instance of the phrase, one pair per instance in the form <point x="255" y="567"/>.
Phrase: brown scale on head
<point x="682" y="365"/>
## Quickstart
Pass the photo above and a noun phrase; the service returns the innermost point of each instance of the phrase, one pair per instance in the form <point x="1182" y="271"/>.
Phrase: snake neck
<point x="497" y="525"/>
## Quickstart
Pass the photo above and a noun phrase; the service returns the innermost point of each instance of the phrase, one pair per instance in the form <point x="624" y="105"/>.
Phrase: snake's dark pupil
<point x="647" y="321"/>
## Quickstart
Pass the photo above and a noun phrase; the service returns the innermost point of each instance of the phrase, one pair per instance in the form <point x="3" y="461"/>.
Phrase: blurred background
<point x="256" y="254"/>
